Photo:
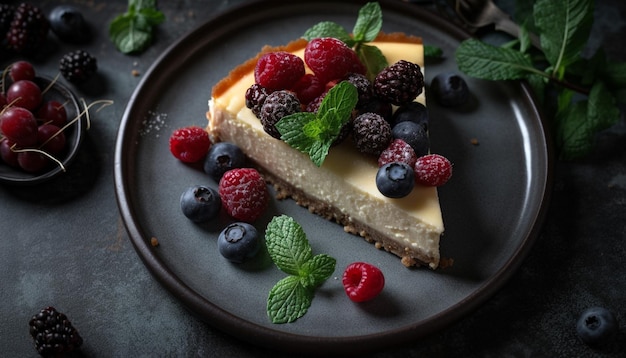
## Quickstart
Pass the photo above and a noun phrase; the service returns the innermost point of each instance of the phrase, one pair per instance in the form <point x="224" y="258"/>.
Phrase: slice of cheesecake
<point x="343" y="189"/>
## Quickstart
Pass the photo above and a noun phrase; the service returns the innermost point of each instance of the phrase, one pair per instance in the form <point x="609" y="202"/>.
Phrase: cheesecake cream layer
<point x="344" y="187"/>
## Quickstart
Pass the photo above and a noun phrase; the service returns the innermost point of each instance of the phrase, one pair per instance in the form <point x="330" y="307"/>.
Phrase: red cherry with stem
<point x="32" y="161"/>
<point x="25" y="94"/>
<point x="8" y="156"/>
<point x="19" y="126"/>
<point x="52" y="112"/>
<point x="51" y="138"/>
<point x="22" y="70"/>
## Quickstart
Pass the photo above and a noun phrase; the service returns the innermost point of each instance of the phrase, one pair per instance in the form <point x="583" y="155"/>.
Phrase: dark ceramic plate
<point x="73" y="136"/>
<point x="493" y="207"/>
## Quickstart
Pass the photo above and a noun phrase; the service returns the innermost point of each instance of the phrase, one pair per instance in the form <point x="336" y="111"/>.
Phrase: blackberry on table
<point x="6" y="16"/>
<point x="277" y="105"/>
<point x="255" y="96"/>
<point x="28" y="30"/>
<point x="78" y="66"/>
<point x="53" y="333"/>
<point x="371" y="133"/>
<point x="399" y="83"/>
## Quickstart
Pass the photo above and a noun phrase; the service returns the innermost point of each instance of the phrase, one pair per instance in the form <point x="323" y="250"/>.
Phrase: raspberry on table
<point x="331" y="59"/>
<point x="398" y="151"/>
<point x="371" y="133"/>
<point x="399" y="83"/>
<point x="53" y="333"/>
<point x="362" y="281"/>
<point x="28" y="30"/>
<point x="244" y="194"/>
<point x="278" y="70"/>
<point x="432" y="170"/>
<point x="78" y="66"/>
<point x="276" y="106"/>
<point x="189" y="144"/>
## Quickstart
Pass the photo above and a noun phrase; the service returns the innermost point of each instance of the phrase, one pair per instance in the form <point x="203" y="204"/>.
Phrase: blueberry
<point x="200" y="203"/>
<point x="450" y="89"/>
<point x="238" y="242"/>
<point x="222" y="157"/>
<point x="395" y="179"/>
<point x="413" y="112"/>
<point x="68" y="24"/>
<point x="414" y="135"/>
<point x="596" y="326"/>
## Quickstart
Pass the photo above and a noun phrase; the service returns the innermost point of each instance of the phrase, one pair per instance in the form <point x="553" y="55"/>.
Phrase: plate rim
<point x="264" y="336"/>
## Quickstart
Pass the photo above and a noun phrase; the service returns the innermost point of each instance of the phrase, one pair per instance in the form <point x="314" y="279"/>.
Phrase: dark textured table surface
<point x="64" y="243"/>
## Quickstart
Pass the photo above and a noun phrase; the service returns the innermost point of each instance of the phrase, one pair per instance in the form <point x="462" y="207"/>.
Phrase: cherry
<point x="53" y="138"/>
<point x="52" y="112"/>
<point x="22" y="70"/>
<point x="32" y="162"/>
<point x="7" y="155"/>
<point x="19" y="126"/>
<point x="25" y="94"/>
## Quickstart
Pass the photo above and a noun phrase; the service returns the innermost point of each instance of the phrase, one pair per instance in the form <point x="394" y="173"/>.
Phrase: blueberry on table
<point x="222" y="157"/>
<point x="395" y="179"/>
<point x="238" y="242"/>
<point x="450" y="89"/>
<point x="68" y="24"/>
<point x="412" y="112"/>
<point x="200" y="203"/>
<point x="596" y="326"/>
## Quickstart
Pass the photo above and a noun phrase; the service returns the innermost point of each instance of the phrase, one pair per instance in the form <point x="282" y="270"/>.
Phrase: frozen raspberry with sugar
<point x="244" y="194"/>
<point x="331" y="59"/>
<point x="399" y="83"/>
<point x="278" y="70"/>
<point x="189" y="144"/>
<point x="398" y="151"/>
<point x="308" y="88"/>
<point x="432" y="170"/>
<point x="255" y="97"/>
<point x="371" y="133"/>
<point x="276" y="106"/>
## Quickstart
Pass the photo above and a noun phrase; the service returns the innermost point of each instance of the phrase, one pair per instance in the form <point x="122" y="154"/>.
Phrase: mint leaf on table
<point x="291" y="297"/>
<point x="314" y="133"/>
<point x="132" y="31"/>
<point x="481" y="60"/>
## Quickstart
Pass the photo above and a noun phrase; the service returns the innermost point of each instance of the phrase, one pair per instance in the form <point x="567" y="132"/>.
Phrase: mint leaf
<point x="132" y="31"/>
<point x="564" y="27"/>
<point x="574" y="136"/>
<point x="287" y="244"/>
<point x="481" y="60"/>
<point x="318" y="270"/>
<point x="368" y="23"/>
<point x="314" y="133"/>
<point x="288" y="300"/>
<point x="431" y="51"/>
<point x="373" y="59"/>
<point x="328" y="29"/>
<point x="602" y="111"/>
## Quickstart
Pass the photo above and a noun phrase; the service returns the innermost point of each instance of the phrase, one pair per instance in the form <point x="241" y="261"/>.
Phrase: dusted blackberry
<point x="399" y="83"/>
<point x="314" y="105"/>
<point x="363" y="87"/>
<point x="276" y="106"/>
<point x="53" y="333"/>
<point x="78" y="66"/>
<point x="371" y="133"/>
<point x="255" y="96"/>
<point x="28" y="30"/>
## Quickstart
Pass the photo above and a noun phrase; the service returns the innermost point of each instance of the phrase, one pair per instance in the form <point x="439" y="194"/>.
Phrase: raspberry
<point x="244" y="194"/>
<point x="53" y="333"/>
<point x="189" y="144"/>
<point x="28" y="30"/>
<point x="362" y="281"/>
<point x="331" y="59"/>
<point x="371" y="133"/>
<point x="308" y="88"/>
<point x="399" y="83"/>
<point x="432" y="170"/>
<point x="398" y="151"/>
<point x="255" y="96"/>
<point x="78" y="66"/>
<point x="276" y="106"/>
<point x="278" y="70"/>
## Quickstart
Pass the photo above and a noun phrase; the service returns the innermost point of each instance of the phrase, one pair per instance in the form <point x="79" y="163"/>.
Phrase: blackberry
<point x="399" y="83"/>
<point x="28" y="30"/>
<point x="78" y="66"/>
<point x="371" y="133"/>
<point x="276" y="106"/>
<point x="53" y="333"/>
<point x="363" y="86"/>
<point x="255" y="96"/>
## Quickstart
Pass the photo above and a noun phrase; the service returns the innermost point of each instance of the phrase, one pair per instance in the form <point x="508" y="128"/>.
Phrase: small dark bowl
<point x="73" y="137"/>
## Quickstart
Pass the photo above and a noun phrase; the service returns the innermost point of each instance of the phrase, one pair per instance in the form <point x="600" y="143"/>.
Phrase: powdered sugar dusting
<point x="153" y="122"/>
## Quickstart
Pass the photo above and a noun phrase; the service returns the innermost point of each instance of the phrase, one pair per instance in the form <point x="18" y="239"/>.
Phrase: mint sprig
<point x="132" y="30"/>
<point x="288" y="247"/>
<point x="588" y="90"/>
<point x="314" y="133"/>
<point x="368" y="24"/>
